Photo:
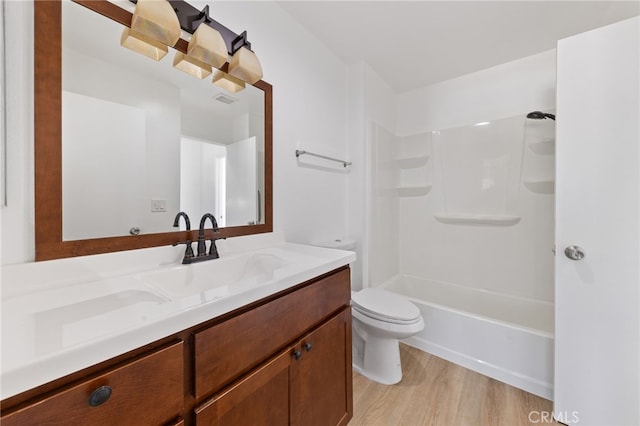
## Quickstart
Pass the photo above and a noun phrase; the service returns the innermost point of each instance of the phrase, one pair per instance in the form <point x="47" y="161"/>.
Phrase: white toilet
<point x="380" y="318"/>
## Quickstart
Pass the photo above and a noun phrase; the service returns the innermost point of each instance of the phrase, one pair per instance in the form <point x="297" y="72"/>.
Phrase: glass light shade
<point x="142" y="44"/>
<point x="208" y="46"/>
<point x="156" y="19"/>
<point x="191" y="65"/>
<point x="245" y="66"/>
<point x="227" y="82"/>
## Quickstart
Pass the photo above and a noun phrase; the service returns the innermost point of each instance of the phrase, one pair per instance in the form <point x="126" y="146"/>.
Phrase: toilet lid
<point x="379" y="303"/>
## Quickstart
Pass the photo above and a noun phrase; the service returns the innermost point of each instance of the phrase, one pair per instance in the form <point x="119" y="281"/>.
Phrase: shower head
<point x="539" y="115"/>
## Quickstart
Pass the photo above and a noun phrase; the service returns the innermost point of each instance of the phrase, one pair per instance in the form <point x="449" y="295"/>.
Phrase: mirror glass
<point x="142" y="140"/>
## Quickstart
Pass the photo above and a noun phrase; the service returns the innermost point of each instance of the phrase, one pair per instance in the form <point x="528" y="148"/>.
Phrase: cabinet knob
<point x="99" y="396"/>
<point x="297" y="354"/>
<point x="307" y="346"/>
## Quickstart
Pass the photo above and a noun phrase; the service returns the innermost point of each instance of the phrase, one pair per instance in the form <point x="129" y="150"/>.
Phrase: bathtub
<point x="504" y="337"/>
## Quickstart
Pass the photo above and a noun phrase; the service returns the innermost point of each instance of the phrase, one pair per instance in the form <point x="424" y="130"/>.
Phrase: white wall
<point x="371" y="103"/>
<point x="18" y="240"/>
<point x="524" y="85"/>
<point x="309" y="99"/>
<point x="516" y="259"/>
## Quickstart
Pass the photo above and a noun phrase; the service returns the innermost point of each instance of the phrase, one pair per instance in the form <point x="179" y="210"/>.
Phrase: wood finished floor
<point x="436" y="392"/>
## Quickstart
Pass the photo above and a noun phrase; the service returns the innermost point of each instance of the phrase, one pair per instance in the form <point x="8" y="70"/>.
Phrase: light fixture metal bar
<point x="190" y="17"/>
<point x="300" y="152"/>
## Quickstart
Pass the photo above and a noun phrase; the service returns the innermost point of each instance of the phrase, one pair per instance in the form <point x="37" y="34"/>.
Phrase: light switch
<point x="158" y="206"/>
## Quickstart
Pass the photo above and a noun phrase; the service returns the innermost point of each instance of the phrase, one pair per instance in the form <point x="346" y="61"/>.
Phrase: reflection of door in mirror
<point x="241" y="183"/>
<point x="88" y="168"/>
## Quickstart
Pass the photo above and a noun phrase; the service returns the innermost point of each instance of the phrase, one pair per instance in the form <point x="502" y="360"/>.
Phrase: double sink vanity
<point x="108" y="327"/>
<point x="260" y="336"/>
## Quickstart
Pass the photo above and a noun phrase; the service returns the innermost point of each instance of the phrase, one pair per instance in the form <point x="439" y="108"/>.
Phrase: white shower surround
<point x="452" y="267"/>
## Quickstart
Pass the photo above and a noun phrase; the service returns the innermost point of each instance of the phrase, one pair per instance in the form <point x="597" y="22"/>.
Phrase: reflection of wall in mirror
<point x="160" y="178"/>
<point x="220" y="179"/>
<point x="199" y="122"/>
<point x="174" y="105"/>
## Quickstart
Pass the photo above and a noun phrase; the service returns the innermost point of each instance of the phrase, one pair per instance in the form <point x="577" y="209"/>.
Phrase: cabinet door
<point x="261" y="398"/>
<point x="321" y="391"/>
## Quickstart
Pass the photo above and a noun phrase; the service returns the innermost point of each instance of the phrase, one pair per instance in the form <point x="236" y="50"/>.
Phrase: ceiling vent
<point x="220" y="97"/>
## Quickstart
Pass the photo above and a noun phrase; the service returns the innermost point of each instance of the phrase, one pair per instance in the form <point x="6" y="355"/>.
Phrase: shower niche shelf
<point x="541" y="186"/>
<point x="546" y="146"/>
<point x="413" y="191"/>
<point x="476" y="219"/>
<point x="412" y="162"/>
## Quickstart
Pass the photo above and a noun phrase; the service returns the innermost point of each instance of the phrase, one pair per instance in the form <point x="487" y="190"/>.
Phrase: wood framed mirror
<point x="51" y="240"/>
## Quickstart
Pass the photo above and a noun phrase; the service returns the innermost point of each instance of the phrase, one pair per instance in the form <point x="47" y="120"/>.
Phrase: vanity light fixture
<point x="154" y="26"/>
<point x="191" y="65"/>
<point x="227" y="82"/>
<point x="245" y="65"/>
<point x="142" y="44"/>
<point x="208" y="46"/>
<point x="206" y="49"/>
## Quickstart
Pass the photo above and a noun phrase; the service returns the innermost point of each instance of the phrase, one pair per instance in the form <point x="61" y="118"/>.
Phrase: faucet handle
<point x="188" y="253"/>
<point x="213" y="250"/>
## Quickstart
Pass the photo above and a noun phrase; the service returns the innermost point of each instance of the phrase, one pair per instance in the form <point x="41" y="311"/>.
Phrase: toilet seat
<point x="384" y="306"/>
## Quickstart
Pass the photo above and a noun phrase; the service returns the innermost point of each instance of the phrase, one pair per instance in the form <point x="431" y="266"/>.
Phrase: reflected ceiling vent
<point x="225" y="99"/>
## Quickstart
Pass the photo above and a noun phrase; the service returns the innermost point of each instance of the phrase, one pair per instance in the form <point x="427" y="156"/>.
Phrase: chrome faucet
<point x="202" y="247"/>
<point x="188" y="253"/>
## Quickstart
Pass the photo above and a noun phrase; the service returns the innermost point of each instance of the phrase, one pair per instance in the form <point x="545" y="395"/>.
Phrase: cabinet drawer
<point x="227" y="350"/>
<point x="147" y="391"/>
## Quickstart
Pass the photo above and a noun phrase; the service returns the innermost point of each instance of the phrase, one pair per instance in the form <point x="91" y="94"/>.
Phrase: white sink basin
<point x="215" y="279"/>
<point x="64" y="315"/>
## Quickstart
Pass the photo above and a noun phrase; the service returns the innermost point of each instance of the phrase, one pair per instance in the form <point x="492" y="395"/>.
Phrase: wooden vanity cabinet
<point x="308" y="384"/>
<point x="229" y="349"/>
<point x="283" y="360"/>
<point x="147" y="391"/>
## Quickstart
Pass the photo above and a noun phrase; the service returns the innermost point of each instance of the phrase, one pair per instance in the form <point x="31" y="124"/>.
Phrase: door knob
<point x="574" y="252"/>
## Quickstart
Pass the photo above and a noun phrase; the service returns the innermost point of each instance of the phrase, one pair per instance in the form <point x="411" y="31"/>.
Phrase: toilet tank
<point x="340" y="244"/>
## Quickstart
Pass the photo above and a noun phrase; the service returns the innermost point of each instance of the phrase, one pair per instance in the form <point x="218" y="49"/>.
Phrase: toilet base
<point x="380" y="361"/>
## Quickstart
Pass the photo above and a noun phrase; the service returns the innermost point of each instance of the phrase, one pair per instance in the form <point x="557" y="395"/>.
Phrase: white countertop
<point x="64" y="315"/>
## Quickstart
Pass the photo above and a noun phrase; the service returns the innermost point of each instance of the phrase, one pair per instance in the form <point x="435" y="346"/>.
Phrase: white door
<point x="597" y="354"/>
<point x="242" y="187"/>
